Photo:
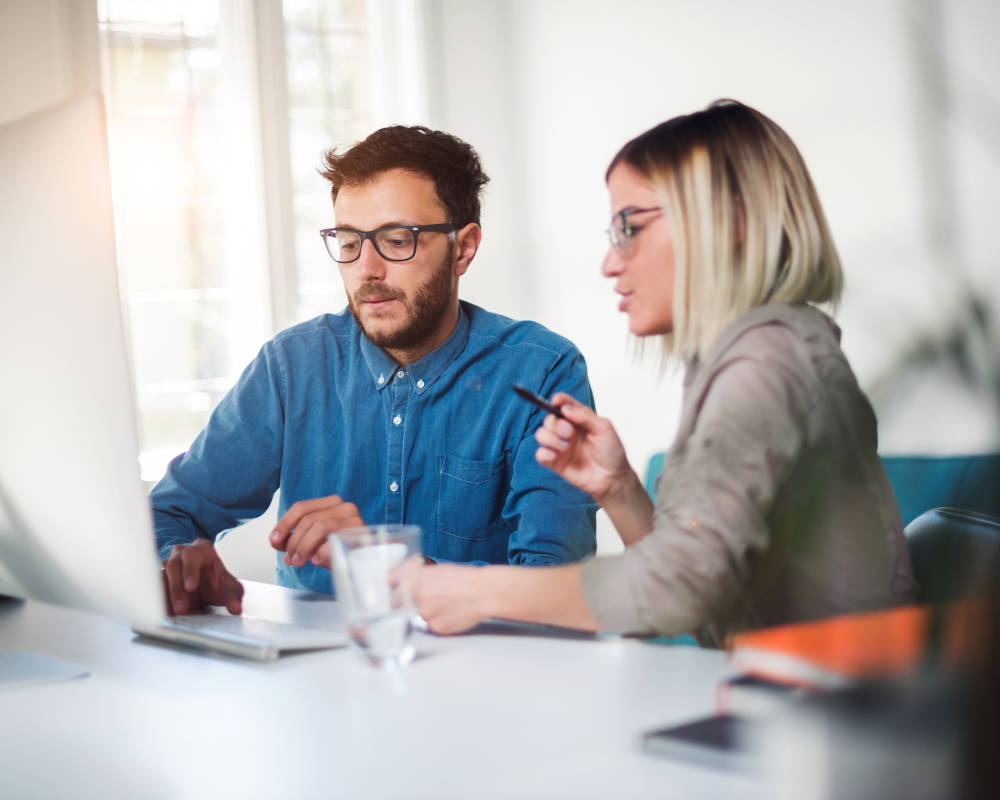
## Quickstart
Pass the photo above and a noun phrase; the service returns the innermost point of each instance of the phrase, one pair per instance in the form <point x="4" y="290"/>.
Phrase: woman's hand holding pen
<point x="585" y="450"/>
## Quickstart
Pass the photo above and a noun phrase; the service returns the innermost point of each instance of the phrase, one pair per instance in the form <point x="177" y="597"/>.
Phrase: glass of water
<point x="379" y="618"/>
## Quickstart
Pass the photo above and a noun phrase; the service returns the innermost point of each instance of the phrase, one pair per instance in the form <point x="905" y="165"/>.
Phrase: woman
<point x="772" y="506"/>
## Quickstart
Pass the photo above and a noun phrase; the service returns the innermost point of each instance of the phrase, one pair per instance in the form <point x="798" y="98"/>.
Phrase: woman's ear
<point x="466" y="244"/>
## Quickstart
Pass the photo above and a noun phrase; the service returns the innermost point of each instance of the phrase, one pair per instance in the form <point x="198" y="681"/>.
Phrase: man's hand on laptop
<point x="302" y="532"/>
<point x="194" y="576"/>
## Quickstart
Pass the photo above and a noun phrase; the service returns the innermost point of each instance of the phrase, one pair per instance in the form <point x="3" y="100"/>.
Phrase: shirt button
<point x="420" y="384"/>
<point x="400" y="374"/>
<point x="397" y="419"/>
<point x="393" y="486"/>
<point x="381" y="379"/>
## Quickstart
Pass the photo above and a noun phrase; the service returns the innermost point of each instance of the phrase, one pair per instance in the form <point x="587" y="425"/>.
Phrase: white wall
<point x="548" y="90"/>
<point x="473" y="95"/>
<point x="48" y="54"/>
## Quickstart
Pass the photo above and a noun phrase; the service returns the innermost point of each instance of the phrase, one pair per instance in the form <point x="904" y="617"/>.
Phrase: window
<point x="328" y="104"/>
<point x="196" y="216"/>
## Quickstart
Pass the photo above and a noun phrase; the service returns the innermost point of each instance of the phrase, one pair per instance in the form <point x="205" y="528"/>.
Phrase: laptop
<point x="246" y="637"/>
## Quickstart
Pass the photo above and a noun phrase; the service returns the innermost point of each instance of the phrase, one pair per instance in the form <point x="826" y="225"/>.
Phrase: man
<point x="400" y="411"/>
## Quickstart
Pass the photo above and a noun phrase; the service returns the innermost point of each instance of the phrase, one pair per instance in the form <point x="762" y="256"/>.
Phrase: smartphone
<point x="526" y="394"/>
<point x="719" y="741"/>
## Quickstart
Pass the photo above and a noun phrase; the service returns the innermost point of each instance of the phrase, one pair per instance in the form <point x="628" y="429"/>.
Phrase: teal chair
<point x="922" y="483"/>
<point x="653" y="470"/>
<point x="955" y="554"/>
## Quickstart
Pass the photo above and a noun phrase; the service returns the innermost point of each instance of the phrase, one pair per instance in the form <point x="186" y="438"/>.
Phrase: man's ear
<point x="466" y="244"/>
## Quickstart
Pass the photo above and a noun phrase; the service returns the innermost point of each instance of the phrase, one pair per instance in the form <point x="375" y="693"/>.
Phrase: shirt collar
<point x="422" y="373"/>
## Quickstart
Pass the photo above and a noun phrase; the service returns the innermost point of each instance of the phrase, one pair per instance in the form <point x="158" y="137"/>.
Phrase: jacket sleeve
<point x="553" y="522"/>
<point x="710" y="525"/>
<point x="232" y="470"/>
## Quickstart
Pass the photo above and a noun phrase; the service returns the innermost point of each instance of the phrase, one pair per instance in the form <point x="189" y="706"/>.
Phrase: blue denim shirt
<point x="442" y="443"/>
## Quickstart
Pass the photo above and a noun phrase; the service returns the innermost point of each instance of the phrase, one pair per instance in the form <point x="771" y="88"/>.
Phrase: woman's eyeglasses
<point x="621" y="231"/>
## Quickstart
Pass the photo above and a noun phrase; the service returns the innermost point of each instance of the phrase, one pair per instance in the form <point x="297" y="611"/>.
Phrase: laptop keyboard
<point x="279" y="634"/>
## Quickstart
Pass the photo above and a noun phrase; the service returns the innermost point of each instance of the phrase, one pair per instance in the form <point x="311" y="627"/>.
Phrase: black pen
<point x="526" y="394"/>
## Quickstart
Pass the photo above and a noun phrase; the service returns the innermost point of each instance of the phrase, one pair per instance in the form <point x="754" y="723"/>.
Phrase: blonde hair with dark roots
<point x="747" y="224"/>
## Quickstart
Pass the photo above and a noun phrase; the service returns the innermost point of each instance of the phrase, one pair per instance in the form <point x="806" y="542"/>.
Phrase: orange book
<point x="830" y="653"/>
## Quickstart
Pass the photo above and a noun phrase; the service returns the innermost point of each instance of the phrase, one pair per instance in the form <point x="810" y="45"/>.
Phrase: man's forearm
<point x="167" y="540"/>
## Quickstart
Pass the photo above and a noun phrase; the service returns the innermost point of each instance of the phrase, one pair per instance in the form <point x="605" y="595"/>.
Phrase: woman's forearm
<point x="629" y="509"/>
<point x="547" y="595"/>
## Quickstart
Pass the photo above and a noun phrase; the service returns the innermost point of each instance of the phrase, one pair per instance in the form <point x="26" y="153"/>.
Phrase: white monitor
<point x="75" y="523"/>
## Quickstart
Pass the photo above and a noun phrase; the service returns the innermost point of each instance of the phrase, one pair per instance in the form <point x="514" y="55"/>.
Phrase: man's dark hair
<point x="448" y="161"/>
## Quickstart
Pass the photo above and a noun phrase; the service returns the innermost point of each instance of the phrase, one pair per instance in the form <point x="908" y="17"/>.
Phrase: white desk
<point x="475" y="717"/>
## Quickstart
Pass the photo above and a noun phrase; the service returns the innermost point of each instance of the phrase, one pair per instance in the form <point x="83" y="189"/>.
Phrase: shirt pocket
<point x="471" y="496"/>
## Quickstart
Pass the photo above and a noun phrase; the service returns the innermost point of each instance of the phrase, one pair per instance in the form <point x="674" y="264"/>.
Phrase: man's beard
<point x="424" y="313"/>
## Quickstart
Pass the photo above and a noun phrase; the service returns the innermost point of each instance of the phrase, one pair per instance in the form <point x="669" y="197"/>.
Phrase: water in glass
<point x="379" y="619"/>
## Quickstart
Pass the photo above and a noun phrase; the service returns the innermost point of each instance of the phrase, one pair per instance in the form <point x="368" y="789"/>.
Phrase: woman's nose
<point x="613" y="263"/>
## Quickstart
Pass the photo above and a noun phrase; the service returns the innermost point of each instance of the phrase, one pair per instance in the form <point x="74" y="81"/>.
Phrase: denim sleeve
<point x="232" y="470"/>
<point x="554" y="522"/>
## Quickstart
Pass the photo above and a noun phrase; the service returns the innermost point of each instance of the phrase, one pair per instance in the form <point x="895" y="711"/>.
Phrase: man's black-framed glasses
<point x="621" y="231"/>
<point x="393" y="243"/>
